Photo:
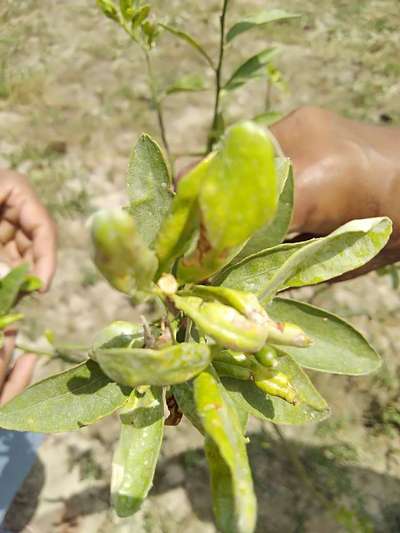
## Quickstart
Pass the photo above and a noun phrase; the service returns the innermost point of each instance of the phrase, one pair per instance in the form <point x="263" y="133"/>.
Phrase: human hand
<point x="27" y="234"/>
<point x="344" y="170"/>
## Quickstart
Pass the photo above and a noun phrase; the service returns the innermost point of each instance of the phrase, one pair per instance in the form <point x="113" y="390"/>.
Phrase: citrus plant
<point x="224" y="344"/>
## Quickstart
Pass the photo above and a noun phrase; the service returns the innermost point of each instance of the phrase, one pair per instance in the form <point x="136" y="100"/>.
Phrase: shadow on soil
<point x="344" y="497"/>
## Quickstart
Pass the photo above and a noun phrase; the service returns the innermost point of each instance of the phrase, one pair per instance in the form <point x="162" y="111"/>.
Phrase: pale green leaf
<point x="337" y="347"/>
<point x="274" y="233"/>
<point x="184" y="36"/>
<point x="250" y="69"/>
<point x="234" y="500"/>
<point x="143" y="366"/>
<point x="149" y="187"/>
<point x="245" y="163"/>
<point x="77" y="397"/>
<point x="310" y="262"/>
<point x="310" y="406"/>
<point x="180" y="225"/>
<point x="268" y="118"/>
<point x="120" y="253"/>
<point x="135" y="458"/>
<point x="184" y="84"/>
<point x="259" y="19"/>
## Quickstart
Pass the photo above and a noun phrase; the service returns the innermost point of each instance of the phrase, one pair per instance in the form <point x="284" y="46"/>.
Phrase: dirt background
<point x="73" y="99"/>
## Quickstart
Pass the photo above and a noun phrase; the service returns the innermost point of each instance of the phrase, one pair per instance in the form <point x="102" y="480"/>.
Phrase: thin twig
<point x="218" y="77"/>
<point x="158" y="107"/>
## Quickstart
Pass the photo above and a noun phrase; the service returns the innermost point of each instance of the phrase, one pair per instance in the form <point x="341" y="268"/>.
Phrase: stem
<point x="158" y="107"/>
<point x="218" y="77"/>
<point x="56" y="354"/>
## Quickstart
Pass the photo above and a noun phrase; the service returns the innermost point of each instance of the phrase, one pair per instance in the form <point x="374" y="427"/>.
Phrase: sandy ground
<point x="72" y="102"/>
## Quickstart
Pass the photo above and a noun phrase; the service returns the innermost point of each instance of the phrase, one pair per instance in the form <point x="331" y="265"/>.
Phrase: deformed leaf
<point x="245" y="163"/>
<point x="307" y="263"/>
<point x="259" y="19"/>
<point x="337" y="347"/>
<point x="135" y="458"/>
<point x="143" y="366"/>
<point x="310" y="406"/>
<point x="272" y="234"/>
<point x="180" y="225"/>
<point x="119" y="334"/>
<point x="77" y="397"/>
<point x="234" y="500"/>
<point x="120" y="253"/>
<point x="184" y="36"/>
<point x="149" y="187"/>
<point x="250" y="69"/>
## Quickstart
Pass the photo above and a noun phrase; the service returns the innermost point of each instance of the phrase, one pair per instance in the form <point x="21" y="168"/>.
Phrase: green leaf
<point x="234" y="500"/>
<point x="109" y="9"/>
<point x="310" y="262"/>
<point x="311" y="407"/>
<point x="337" y="347"/>
<point x="245" y="163"/>
<point x="250" y="69"/>
<point x="268" y="118"/>
<point x="138" y="16"/>
<point x="189" y="40"/>
<point x="274" y="233"/>
<point x="180" y="225"/>
<point x="259" y="19"/>
<point x="135" y="458"/>
<point x="188" y="83"/>
<point x="143" y="366"/>
<point x="10" y="287"/>
<point x="119" y="252"/>
<point x="149" y="187"/>
<point x="68" y="401"/>
<point x="184" y="395"/>
<point x="119" y="334"/>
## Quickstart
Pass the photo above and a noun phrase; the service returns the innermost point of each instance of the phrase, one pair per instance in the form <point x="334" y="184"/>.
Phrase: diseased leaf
<point x="135" y="458"/>
<point x="250" y="69"/>
<point x="149" y="187"/>
<point x="143" y="366"/>
<point x="77" y="397"/>
<point x="188" y="83"/>
<point x="234" y="500"/>
<point x="337" y="347"/>
<point x="120" y="253"/>
<point x="180" y="225"/>
<point x="274" y="233"/>
<point x="310" y="406"/>
<point x="310" y="262"/>
<point x="245" y="163"/>
<point x="258" y="20"/>
<point x="119" y="334"/>
<point x="184" y="36"/>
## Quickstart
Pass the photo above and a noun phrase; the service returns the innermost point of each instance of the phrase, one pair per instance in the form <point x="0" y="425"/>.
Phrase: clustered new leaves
<point x="225" y="349"/>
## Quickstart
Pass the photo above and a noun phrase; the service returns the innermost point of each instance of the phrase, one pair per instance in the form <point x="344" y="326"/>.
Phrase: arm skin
<point x="27" y="234"/>
<point x="344" y="170"/>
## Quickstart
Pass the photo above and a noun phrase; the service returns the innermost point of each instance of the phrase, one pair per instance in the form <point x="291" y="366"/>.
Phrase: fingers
<point x="44" y="252"/>
<point x="26" y="228"/>
<point x="19" y="377"/>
